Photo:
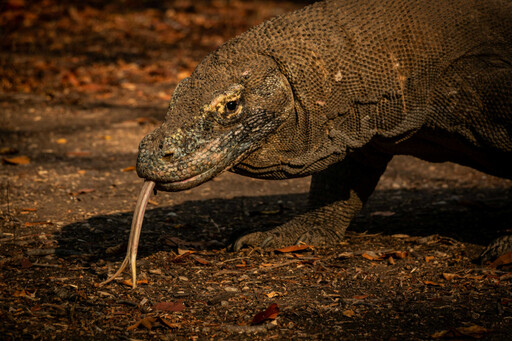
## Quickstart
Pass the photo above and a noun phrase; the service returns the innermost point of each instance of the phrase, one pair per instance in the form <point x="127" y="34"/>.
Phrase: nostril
<point x="168" y="156"/>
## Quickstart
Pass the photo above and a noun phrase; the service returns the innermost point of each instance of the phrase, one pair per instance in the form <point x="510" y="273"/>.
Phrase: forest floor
<point x="82" y="84"/>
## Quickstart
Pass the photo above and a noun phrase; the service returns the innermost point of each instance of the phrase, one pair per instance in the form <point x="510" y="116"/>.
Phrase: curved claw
<point x="251" y="239"/>
<point x="269" y="241"/>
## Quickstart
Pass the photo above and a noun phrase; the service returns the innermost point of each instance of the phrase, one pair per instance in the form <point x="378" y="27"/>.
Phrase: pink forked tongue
<point x="133" y="241"/>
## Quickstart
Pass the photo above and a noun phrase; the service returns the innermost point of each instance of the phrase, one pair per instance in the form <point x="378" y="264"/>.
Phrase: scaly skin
<point x="334" y="91"/>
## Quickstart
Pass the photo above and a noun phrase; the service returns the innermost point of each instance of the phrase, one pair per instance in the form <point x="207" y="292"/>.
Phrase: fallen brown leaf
<point x="370" y="256"/>
<point x="17" y="160"/>
<point x="474" y="332"/>
<point x="181" y="258"/>
<point x="146" y="322"/>
<point x="269" y="314"/>
<point x="167" y="323"/>
<point x="449" y="276"/>
<point x="506" y="277"/>
<point x="348" y="313"/>
<point x="200" y="260"/>
<point x="273" y="294"/>
<point x="128" y="169"/>
<point x="360" y="297"/>
<point x="433" y="284"/>
<point x="400" y="254"/>
<point x="31" y="294"/>
<point x="169" y="306"/>
<point x="292" y="248"/>
<point x="504" y="259"/>
<point x="182" y="252"/>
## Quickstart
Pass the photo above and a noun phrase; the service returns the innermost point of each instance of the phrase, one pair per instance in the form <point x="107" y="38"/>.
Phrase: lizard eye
<point x="231" y="106"/>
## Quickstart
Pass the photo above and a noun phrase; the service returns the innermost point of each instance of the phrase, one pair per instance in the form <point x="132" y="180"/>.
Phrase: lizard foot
<point x="280" y="237"/>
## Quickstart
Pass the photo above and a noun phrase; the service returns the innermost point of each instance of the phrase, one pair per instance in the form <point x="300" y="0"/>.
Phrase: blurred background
<point x="104" y="49"/>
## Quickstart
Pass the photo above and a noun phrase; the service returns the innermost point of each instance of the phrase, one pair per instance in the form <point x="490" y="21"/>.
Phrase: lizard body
<point x="335" y="90"/>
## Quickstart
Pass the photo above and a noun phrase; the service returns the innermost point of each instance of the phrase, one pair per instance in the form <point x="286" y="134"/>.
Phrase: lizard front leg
<point x="337" y="194"/>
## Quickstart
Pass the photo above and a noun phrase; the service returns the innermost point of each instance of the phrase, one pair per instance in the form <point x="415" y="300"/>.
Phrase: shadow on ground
<point x="463" y="214"/>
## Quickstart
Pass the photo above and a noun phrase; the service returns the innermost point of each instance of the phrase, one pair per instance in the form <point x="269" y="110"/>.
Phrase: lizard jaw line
<point x="177" y="185"/>
<point x="196" y="180"/>
<point x="180" y="185"/>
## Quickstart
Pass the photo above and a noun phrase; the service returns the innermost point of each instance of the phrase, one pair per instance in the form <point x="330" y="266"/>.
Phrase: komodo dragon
<point x="334" y="91"/>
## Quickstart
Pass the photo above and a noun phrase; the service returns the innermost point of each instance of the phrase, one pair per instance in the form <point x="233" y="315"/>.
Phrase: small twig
<point x="280" y="265"/>
<point x="232" y="260"/>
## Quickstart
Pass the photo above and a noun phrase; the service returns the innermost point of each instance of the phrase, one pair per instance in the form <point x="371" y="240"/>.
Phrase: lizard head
<point x="217" y="116"/>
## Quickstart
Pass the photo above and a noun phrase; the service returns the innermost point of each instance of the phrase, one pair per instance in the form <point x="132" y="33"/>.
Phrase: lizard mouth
<point x="180" y="185"/>
<point x="192" y="171"/>
<point x="186" y="173"/>
<point x="221" y="162"/>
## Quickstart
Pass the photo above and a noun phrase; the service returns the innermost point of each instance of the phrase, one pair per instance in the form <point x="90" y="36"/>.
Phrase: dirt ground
<point x="82" y="84"/>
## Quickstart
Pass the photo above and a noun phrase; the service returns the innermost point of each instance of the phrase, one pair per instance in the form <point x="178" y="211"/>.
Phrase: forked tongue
<point x="133" y="241"/>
